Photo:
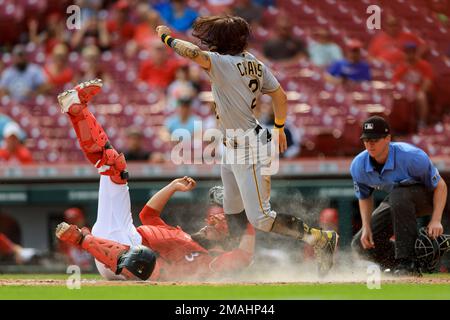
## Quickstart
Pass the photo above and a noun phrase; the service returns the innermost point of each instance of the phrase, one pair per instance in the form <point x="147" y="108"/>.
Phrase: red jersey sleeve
<point x="6" y="246"/>
<point x="231" y="261"/>
<point x="150" y="216"/>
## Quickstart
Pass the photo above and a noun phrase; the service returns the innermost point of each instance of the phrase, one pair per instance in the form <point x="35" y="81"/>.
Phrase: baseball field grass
<point x="49" y="286"/>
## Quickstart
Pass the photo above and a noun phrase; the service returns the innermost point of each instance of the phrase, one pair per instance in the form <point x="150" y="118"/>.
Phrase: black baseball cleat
<point x="324" y="251"/>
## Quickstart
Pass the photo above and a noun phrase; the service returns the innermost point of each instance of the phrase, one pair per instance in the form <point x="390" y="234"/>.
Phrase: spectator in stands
<point x="440" y="9"/>
<point x="53" y="33"/>
<point x="90" y="9"/>
<point x="23" y="79"/>
<point x="184" y="119"/>
<point x="177" y="14"/>
<point x="159" y="71"/>
<point x="388" y="44"/>
<point x="417" y="74"/>
<point x="284" y="47"/>
<point x="181" y="87"/>
<point x="135" y="149"/>
<point x="248" y="10"/>
<point x="266" y="3"/>
<point x="13" y="151"/>
<point x="57" y="71"/>
<point x="218" y="7"/>
<point x="93" y="32"/>
<point x="18" y="253"/>
<point x="90" y="67"/>
<point x="353" y="68"/>
<point x="144" y="32"/>
<point x="4" y="120"/>
<point x="74" y="255"/>
<point x="322" y="50"/>
<point x="119" y="27"/>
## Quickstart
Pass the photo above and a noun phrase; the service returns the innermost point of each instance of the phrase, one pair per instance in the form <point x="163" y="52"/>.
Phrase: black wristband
<point x="167" y="39"/>
<point x="279" y="126"/>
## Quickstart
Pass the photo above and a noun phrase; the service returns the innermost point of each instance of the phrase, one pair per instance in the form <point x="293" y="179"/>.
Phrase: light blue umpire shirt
<point x="405" y="165"/>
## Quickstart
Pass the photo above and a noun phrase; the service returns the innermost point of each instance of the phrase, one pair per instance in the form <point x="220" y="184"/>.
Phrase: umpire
<point x="415" y="189"/>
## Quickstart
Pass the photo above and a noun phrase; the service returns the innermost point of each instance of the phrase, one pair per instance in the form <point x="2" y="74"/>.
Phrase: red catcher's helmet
<point x="73" y="215"/>
<point x="215" y="218"/>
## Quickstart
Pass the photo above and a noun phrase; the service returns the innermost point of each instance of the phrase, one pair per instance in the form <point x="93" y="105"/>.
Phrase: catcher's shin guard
<point x="96" y="147"/>
<point x="113" y="164"/>
<point x="91" y="136"/>
<point x="108" y="252"/>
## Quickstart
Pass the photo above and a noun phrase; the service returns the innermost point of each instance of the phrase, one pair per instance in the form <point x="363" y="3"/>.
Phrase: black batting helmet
<point x="139" y="260"/>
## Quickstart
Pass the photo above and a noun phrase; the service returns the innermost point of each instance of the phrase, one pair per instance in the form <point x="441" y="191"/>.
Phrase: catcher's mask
<point x="139" y="260"/>
<point x="429" y="251"/>
<point x="215" y="195"/>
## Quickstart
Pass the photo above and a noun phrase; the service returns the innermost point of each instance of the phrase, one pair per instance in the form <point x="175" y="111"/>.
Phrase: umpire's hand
<point x="434" y="229"/>
<point x="367" y="238"/>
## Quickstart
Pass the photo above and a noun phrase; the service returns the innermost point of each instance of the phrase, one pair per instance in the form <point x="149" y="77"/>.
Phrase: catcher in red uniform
<point x="155" y="250"/>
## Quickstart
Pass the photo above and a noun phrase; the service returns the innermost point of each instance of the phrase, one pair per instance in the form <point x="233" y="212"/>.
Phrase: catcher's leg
<point x="91" y="136"/>
<point x="121" y="261"/>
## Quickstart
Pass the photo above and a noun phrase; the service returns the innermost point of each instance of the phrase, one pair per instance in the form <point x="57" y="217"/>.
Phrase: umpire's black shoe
<point x="405" y="268"/>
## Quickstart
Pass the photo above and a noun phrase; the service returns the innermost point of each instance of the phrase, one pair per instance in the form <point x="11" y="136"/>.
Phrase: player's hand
<point x="163" y="30"/>
<point x="434" y="229"/>
<point x="367" y="238"/>
<point x="184" y="184"/>
<point x="282" y="141"/>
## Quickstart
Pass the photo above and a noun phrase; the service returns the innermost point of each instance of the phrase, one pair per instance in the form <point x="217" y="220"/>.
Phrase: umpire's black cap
<point x="374" y="128"/>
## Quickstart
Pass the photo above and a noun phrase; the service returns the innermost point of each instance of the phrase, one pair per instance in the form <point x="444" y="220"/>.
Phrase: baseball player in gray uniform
<point x="237" y="79"/>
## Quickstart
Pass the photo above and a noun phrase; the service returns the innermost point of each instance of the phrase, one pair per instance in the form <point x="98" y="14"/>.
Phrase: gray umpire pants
<point x="396" y="215"/>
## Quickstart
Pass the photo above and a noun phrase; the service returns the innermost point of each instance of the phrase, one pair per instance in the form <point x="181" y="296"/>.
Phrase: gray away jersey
<point x="236" y="83"/>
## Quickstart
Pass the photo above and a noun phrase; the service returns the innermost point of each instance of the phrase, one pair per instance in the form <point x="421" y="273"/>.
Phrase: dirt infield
<point x="100" y="283"/>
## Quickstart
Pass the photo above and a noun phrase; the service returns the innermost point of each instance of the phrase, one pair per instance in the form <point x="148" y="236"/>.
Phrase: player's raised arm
<point x="160" y="199"/>
<point x="184" y="48"/>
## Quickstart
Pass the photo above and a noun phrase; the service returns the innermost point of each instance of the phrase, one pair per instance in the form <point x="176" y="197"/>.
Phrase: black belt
<point x="258" y="129"/>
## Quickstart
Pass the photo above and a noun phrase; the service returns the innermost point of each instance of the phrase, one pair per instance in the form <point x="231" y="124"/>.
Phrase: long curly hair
<point x="222" y="34"/>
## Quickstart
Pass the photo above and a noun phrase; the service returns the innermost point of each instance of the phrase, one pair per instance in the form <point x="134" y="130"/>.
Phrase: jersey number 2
<point x="254" y="86"/>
